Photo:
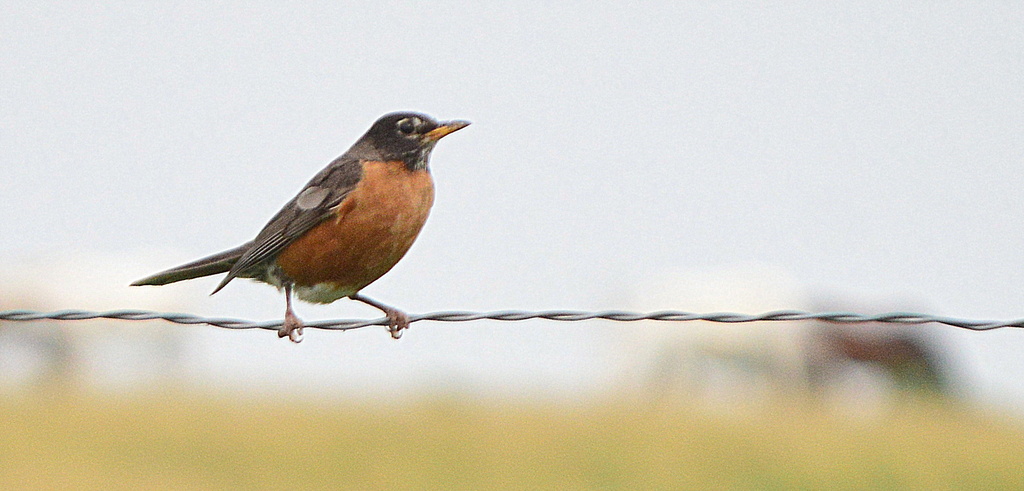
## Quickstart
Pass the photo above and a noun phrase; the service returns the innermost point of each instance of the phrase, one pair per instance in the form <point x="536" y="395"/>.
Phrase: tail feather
<point x="217" y="263"/>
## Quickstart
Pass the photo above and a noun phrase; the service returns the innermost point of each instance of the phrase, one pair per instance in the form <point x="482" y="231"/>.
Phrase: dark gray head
<point x="405" y="136"/>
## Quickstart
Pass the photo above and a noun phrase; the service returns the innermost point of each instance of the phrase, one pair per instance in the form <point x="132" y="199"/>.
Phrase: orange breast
<point x="373" y="228"/>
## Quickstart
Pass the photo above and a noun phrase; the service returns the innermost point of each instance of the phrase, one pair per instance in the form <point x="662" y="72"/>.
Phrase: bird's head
<point x="405" y="136"/>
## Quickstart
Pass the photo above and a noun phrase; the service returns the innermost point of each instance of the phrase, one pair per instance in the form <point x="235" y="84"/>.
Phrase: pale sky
<point x="872" y="151"/>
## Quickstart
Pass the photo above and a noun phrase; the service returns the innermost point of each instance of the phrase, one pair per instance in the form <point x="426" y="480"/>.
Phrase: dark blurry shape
<point x="907" y="358"/>
<point x="858" y="353"/>
<point x="910" y="357"/>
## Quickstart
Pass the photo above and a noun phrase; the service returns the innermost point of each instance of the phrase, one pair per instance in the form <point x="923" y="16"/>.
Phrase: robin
<point x="347" y="227"/>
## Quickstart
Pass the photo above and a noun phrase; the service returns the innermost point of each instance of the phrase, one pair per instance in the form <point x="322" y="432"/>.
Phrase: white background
<point x="871" y="151"/>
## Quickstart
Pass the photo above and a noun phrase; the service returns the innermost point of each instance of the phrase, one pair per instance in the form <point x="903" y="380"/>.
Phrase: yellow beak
<point x="444" y="129"/>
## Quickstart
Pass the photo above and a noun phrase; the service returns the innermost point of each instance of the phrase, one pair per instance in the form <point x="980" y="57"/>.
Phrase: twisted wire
<point x="515" y="315"/>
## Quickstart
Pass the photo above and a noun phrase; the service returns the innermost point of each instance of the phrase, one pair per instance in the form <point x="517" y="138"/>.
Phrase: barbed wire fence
<point x="519" y="315"/>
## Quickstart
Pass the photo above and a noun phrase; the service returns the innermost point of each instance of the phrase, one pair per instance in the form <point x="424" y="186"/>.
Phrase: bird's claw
<point x="292" y="328"/>
<point x="397" y="322"/>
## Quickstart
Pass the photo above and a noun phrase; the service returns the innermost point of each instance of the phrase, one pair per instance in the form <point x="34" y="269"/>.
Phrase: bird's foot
<point x="397" y="322"/>
<point x="292" y="328"/>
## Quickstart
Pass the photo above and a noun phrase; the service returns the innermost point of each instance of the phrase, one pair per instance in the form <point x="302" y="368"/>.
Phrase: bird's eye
<point x="408" y="125"/>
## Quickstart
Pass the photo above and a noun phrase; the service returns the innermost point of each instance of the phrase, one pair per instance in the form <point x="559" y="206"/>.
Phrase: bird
<point x="347" y="227"/>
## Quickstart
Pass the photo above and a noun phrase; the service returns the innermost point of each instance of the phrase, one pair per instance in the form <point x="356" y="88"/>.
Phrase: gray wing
<point x="311" y="206"/>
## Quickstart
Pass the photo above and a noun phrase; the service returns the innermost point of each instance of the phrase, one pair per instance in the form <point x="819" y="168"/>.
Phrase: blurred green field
<point x="189" y="441"/>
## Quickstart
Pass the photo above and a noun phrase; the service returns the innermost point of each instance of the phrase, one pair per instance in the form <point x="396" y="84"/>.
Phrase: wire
<point x="514" y="315"/>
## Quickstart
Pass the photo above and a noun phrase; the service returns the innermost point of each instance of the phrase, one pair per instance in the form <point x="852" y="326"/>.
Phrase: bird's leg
<point x="397" y="320"/>
<point x="292" y="326"/>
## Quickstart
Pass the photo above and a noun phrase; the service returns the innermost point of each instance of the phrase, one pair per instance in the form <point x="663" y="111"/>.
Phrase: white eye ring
<point x="408" y="126"/>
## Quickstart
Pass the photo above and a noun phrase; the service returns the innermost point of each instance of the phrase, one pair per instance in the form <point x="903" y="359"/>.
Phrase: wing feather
<point x="314" y="204"/>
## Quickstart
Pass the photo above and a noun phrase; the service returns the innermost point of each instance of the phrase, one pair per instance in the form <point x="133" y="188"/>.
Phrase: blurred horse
<point x="906" y="356"/>
<point x="731" y="361"/>
<point x="753" y="360"/>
